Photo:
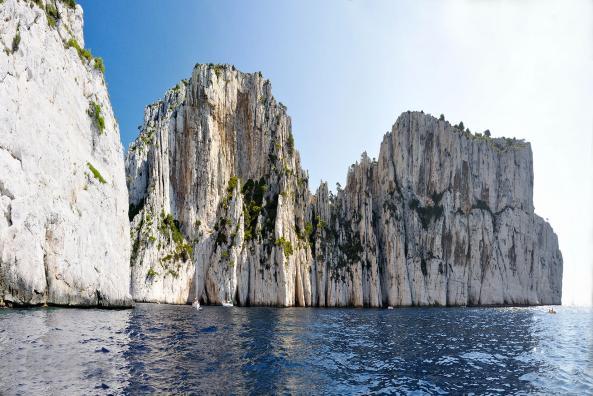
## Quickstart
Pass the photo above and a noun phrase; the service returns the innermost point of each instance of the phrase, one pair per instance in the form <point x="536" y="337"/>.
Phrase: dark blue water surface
<point x="164" y="348"/>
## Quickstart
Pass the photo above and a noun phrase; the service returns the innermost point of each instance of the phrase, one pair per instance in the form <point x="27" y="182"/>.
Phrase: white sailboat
<point x="228" y="302"/>
<point x="196" y="304"/>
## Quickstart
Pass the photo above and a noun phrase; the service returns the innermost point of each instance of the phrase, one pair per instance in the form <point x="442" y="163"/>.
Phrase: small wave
<point x="482" y="357"/>
<point x="447" y="361"/>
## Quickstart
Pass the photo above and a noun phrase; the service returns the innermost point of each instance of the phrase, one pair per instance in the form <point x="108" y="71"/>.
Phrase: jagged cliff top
<point x="508" y="158"/>
<point x="175" y="95"/>
<point x="208" y="76"/>
<point x="501" y="143"/>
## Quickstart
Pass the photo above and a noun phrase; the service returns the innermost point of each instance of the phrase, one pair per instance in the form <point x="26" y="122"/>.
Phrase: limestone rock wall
<point x="63" y="199"/>
<point x="216" y="158"/>
<point x="221" y="210"/>
<point x="442" y="217"/>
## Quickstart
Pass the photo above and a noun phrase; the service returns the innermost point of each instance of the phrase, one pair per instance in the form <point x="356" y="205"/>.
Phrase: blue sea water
<point x="176" y="349"/>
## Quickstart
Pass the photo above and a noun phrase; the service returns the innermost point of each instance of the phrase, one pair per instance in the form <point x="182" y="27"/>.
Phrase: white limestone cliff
<point x="221" y="210"/>
<point x="443" y="217"/>
<point x="215" y="163"/>
<point x="63" y="199"/>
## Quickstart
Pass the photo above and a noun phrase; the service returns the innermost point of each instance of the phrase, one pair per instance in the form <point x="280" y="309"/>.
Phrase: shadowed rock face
<point x="441" y="218"/>
<point x="220" y="210"/>
<point x="63" y="198"/>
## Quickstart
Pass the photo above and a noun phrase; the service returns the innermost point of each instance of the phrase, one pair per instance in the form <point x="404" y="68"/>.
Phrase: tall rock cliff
<point x="217" y="195"/>
<point x="443" y="217"/>
<point x="63" y="198"/>
<point x="221" y="210"/>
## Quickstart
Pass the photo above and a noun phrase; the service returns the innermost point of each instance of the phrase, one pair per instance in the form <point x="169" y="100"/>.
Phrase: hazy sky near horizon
<point x="346" y="69"/>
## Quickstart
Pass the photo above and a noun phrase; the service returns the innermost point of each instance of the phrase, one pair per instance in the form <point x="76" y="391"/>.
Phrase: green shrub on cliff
<point x="69" y="3"/>
<point x="290" y="143"/>
<point x="16" y="41"/>
<point x="52" y="15"/>
<point x="286" y="245"/>
<point x="99" y="65"/>
<point x="168" y="224"/>
<point x="218" y="69"/>
<point x="253" y="196"/>
<point x="308" y="230"/>
<point x="95" y="114"/>
<point x="83" y="53"/>
<point x="96" y="173"/>
<point x="233" y="182"/>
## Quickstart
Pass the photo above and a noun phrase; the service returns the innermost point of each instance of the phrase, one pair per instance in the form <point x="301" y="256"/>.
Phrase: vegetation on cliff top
<point x="498" y="144"/>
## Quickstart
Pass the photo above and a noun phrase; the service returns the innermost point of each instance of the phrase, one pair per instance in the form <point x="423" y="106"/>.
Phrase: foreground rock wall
<point x="221" y="211"/>
<point x="63" y="199"/>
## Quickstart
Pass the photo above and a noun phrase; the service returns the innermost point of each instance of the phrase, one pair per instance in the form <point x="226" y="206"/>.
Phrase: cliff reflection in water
<point x="162" y="348"/>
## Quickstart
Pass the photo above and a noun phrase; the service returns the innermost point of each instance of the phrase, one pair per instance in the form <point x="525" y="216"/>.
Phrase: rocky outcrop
<point x="63" y="199"/>
<point x="217" y="195"/>
<point x="443" y="217"/>
<point x="221" y="210"/>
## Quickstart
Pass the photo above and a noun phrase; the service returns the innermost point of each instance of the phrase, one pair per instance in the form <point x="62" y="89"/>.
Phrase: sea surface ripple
<point x="176" y="349"/>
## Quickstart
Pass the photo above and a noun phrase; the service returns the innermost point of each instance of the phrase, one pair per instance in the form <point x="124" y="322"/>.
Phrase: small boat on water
<point x="551" y="311"/>
<point x="227" y="304"/>
<point x="196" y="305"/>
<point x="390" y="307"/>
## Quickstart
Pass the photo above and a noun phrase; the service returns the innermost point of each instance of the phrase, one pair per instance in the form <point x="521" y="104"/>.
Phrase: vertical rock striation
<point x="443" y="217"/>
<point x="63" y="198"/>
<point x="217" y="195"/>
<point x="221" y="210"/>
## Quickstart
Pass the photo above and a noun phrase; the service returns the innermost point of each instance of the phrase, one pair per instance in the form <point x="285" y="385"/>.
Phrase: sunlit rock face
<point x="64" y="232"/>
<point x="217" y="196"/>
<point x="221" y="210"/>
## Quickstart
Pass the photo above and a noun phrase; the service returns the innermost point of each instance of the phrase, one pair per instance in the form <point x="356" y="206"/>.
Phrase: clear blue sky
<point x="346" y="69"/>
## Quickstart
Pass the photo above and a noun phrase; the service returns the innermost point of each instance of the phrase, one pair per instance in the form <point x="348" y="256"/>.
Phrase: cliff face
<point x="63" y="198"/>
<point x="443" y="217"/>
<point x="220" y="210"/>
<point x="217" y="195"/>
